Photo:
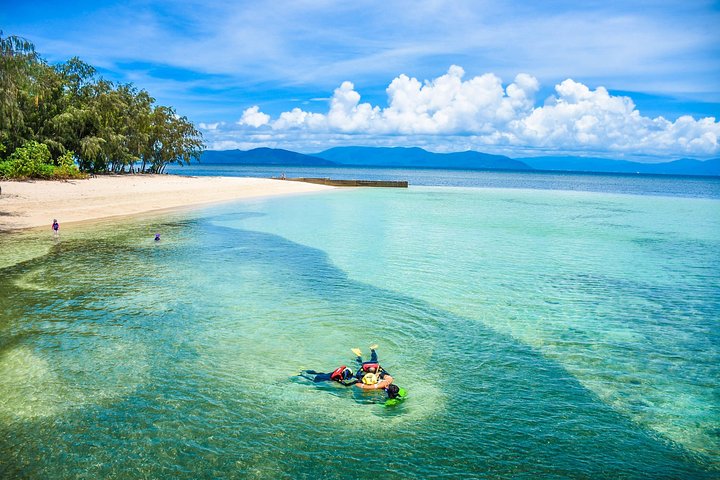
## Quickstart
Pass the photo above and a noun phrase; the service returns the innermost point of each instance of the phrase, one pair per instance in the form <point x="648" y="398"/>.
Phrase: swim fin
<point x="373" y="346"/>
<point x="356" y="351"/>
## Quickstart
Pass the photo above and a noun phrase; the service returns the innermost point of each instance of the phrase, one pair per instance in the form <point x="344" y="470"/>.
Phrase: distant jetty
<point x="349" y="183"/>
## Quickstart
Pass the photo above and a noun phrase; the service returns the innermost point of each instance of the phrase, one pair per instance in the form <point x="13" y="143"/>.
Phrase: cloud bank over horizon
<point x="630" y="77"/>
<point x="451" y="113"/>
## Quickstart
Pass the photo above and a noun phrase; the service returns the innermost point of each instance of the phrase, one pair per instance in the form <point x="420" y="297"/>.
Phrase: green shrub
<point x="66" y="167"/>
<point x="4" y="169"/>
<point x="33" y="160"/>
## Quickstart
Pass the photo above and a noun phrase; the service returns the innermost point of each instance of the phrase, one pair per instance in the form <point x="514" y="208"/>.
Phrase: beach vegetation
<point x="56" y="120"/>
<point x="33" y="160"/>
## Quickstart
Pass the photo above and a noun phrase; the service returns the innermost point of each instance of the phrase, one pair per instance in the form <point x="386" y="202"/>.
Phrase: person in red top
<point x="371" y="375"/>
<point x="371" y="366"/>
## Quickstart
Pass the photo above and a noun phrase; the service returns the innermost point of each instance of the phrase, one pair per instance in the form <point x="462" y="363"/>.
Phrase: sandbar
<point x="36" y="203"/>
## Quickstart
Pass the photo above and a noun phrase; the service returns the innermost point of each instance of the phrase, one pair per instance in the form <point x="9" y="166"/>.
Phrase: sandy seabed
<point x="37" y="203"/>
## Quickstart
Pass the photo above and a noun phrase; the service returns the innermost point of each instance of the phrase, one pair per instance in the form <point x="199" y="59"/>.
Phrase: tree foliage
<point x="33" y="160"/>
<point x="70" y="113"/>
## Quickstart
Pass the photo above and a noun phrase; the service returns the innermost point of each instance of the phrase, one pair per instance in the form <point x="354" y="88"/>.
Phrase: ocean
<point x="545" y="325"/>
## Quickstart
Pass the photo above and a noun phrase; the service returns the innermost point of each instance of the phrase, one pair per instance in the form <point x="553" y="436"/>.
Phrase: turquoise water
<point x="540" y="333"/>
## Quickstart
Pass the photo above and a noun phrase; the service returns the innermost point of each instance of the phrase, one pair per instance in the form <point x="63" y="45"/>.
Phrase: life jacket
<point x="368" y="365"/>
<point x="337" y="374"/>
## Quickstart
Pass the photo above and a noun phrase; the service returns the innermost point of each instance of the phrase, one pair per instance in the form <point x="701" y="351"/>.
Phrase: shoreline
<point x="32" y="204"/>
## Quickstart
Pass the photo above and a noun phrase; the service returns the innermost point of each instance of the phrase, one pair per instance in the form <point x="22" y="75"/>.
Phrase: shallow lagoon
<point x="539" y="333"/>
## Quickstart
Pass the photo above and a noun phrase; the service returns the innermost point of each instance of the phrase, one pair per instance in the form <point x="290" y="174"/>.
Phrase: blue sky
<point x="633" y="79"/>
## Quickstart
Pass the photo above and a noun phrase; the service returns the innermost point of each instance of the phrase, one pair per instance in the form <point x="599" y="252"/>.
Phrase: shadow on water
<point x="175" y="360"/>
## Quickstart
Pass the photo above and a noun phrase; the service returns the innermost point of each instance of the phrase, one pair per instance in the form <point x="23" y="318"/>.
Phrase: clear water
<point x="540" y="333"/>
<point x="662" y="185"/>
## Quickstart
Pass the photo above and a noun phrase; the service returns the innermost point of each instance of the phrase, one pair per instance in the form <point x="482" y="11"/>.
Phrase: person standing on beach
<point x="56" y="228"/>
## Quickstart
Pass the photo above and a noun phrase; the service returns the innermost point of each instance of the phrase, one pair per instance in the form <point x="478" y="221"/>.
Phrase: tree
<point x="109" y="127"/>
<point x="17" y="62"/>
<point x="174" y="139"/>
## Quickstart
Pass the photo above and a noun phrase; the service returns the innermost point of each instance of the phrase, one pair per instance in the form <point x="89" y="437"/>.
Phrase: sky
<point x="635" y="80"/>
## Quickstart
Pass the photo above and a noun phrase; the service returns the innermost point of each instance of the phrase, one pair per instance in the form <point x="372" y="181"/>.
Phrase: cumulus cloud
<point x="254" y="117"/>
<point x="485" y="113"/>
<point x="580" y="117"/>
<point x="297" y="118"/>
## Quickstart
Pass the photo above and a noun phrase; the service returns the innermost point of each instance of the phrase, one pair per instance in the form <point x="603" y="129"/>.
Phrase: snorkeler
<point x="375" y="381"/>
<point x="371" y="366"/>
<point x="395" y="395"/>
<point x="343" y="375"/>
<point x="371" y="375"/>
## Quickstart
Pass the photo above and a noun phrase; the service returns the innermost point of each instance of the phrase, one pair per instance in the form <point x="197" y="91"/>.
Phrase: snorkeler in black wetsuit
<point x="343" y="375"/>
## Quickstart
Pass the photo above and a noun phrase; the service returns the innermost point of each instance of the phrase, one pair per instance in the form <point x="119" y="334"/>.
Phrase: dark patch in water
<point x="510" y="411"/>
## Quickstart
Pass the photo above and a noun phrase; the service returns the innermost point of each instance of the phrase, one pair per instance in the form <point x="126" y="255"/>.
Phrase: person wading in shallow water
<point x="56" y="228"/>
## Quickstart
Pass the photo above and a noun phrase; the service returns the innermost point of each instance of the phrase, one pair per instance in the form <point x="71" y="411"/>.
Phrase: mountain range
<point x="417" y="157"/>
<point x="683" y="166"/>
<point x="263" y="156"/>
<point x="420" y="158"/>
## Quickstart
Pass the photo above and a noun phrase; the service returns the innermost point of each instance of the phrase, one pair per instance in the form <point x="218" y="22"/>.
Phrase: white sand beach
<point x="37" y="203"/>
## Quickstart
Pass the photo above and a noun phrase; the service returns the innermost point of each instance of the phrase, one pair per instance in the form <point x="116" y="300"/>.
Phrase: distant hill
<point x="417" y="157"/>
<point x="603" y="165"/>
<point x="262" y="156"/>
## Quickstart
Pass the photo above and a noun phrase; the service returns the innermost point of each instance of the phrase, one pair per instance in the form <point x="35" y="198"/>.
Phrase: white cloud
<point x="445" y="105"/>
<point x="297" y="118"/>
<point x="479" y="112"/>
<point x="254" y="117"/>
<point x="580" y="118"/>
<point x="451" y="113"/>
<point x="210" y="126"/>
<point x="671" y="47"/>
